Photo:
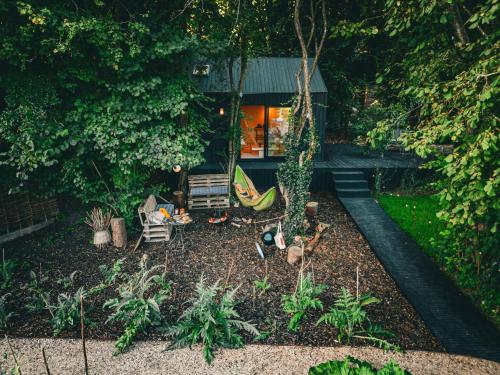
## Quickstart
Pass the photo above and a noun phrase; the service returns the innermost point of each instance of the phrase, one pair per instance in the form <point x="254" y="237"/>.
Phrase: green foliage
<point x="354" y="366"/>
<point x="349" y="316"/>
<point x="67" y="281"/>
<point x="86" y="86"/>
<point x="6" y="273"/>
<point x="304" y="298"/>
<point x="5" y="369"/>
<point x="262" y="285"/>
<point x="39" y="298"/>
<point x="454" y="79"/>
<point x="295" y="175"/>
<point x="110" y="275"/>
<point x="138" y="304"/>
<point x="5" y="315"/>
<point x="210" y="319"/>
<point x="377" y="126"/>
<point x="66" y="312"/>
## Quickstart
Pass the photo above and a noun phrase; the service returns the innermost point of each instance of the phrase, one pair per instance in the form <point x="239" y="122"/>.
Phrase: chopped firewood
<point x="317" y="236"/>
<point x="236" y="225"/>
<point x="295" y="254"/>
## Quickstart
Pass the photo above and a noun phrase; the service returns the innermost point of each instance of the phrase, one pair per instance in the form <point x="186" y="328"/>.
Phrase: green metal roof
<point x="264" y="75"/>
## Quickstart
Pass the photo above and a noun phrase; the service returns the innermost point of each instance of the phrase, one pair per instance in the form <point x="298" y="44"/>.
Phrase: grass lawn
<point x="416" y="215"/>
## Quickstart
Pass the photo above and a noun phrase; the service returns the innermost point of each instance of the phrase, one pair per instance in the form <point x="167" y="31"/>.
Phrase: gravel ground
<point x="65" y="357"/>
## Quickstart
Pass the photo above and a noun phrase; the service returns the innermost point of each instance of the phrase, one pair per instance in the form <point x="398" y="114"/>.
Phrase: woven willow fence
<point x="20" y="215"/>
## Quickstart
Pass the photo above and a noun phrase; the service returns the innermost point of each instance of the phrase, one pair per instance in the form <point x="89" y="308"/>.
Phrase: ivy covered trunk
<point x="294" y="177"/>
<point x="301" y="141"/>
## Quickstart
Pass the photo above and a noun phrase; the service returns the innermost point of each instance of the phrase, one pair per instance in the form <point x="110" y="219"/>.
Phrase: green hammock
<point x="248" y="195"/>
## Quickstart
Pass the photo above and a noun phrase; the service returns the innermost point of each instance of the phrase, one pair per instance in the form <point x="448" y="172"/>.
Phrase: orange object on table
<point x="165" y="213"/>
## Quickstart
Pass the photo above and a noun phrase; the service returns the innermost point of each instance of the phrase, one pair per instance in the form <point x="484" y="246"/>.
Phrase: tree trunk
<point x="119" y="232"/>
<point x="236" y="94"/>
<point x="458" y="25"/>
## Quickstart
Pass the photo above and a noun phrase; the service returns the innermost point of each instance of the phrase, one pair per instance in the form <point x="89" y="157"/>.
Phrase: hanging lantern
<point x="221" y="111"/>
<point x="177" y="168"/>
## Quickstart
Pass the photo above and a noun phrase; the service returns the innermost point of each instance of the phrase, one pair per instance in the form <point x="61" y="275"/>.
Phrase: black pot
<point x="268" y="238"/>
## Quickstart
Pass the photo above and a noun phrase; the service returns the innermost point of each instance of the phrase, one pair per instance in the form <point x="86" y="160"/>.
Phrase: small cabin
<point x="269" y="87"/>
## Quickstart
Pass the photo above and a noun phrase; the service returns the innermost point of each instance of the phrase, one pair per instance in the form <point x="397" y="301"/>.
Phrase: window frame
<point x="266" y="157"/>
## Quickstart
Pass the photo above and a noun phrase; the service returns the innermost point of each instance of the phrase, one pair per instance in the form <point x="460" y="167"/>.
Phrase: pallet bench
<point x="208" y="191"/>
<point x="154" y="232"/>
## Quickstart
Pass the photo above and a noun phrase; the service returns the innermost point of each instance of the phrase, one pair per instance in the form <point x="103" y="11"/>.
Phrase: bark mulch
<point x="226" y="253"/>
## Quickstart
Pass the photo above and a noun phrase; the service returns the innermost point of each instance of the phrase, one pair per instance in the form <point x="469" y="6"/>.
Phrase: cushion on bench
<point x="209" y="190"/>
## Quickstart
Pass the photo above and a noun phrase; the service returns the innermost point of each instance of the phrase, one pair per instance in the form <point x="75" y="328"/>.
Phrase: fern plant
<point x="66" y="313"/>
<point x="5" y="315"/>
<point x="354" y="366"/>
<point x="210" y="319"/>
<point x="262" y="285"/>
<point x="303" y="299"/>
<point x="134" y="308"/>
<point x="6" y="273"/>
<point x="110" y="276"/>
<point x="38" y="298"/>
<point x="67" y="281"/>
<point x="349" y="316"/>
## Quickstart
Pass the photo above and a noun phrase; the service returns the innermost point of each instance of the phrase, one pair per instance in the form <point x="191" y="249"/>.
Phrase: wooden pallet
<point x="157" y="232"/>
<point x="212" y="200"/>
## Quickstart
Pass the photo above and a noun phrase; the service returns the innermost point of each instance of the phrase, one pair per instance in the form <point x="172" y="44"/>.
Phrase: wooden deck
<point x="337" y="157"/>
<point x="341" y="156"/>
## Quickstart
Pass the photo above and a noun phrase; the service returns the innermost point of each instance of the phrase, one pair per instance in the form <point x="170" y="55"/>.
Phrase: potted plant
<point x="99" y="221"/>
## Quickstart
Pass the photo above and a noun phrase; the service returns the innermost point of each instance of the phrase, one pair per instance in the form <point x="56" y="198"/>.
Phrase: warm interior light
<point x="221" y="111"/>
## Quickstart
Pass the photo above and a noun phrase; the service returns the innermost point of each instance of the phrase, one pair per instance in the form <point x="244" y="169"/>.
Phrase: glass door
<point x="253" y="132"/>
<point x="277" y="128"/>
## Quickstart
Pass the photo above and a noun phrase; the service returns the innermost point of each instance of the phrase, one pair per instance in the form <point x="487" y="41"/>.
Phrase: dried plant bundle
<point x="98" y="219"/>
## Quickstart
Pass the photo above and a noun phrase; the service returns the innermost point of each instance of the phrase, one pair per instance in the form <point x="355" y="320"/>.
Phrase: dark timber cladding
<point x="269" y="81"/>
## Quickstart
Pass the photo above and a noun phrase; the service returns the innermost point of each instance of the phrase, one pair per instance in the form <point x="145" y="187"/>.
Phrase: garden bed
<point x="226" y="253"/>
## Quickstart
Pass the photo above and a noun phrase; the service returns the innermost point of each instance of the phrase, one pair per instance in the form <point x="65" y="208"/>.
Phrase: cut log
<point x="178" y="198"/>
<point x="295" y="254"/>
<point x="314" y="242"/>
<point x="312" y="209"/>
<point x="317" y="236"/>
<point x="119" y="232"/>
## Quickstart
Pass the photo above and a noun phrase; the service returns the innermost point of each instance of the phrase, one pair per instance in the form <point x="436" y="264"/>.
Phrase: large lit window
<point x="259" y="139"/>
<point x="252" y="132"/>
<point x="277" y="128"/>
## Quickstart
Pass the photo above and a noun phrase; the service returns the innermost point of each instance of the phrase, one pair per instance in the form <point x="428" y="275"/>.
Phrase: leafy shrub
<point x="211" y="319"/>
<point x="303" y="299"/>
<point x="376" y="125"/>
<point x="349" y="316"/>
<point x="6" y="273"/>
<point x="4" y="314"/>
<point x="66" y="313"/>
<point x="133" y="308"/>
<point x="38" y="298"/>
<point x="262" y="285"/>
<point x="354" y="366"/>
<point x="67" y="281"/>
<point x="110" y="275"/>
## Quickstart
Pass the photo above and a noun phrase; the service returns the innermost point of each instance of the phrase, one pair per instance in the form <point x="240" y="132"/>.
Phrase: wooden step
<point x="353" y="193"/>
<point x="348" y="175"/>
<point x="351" y="184"/>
